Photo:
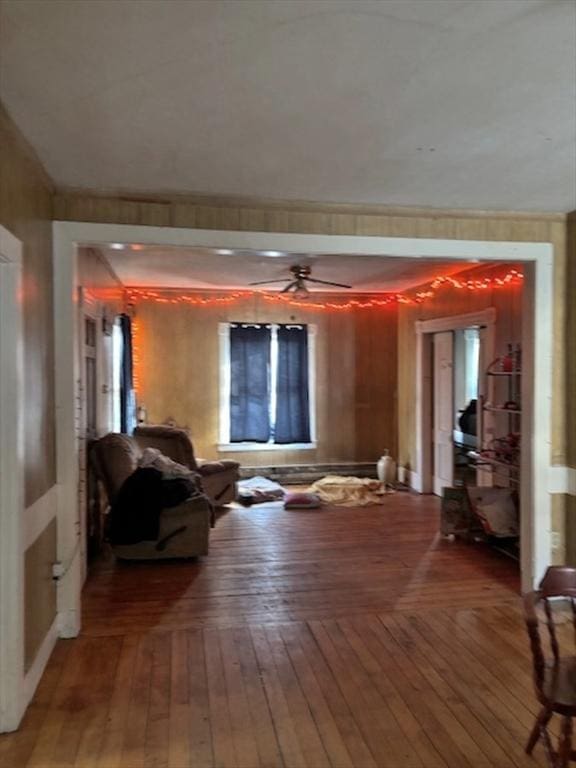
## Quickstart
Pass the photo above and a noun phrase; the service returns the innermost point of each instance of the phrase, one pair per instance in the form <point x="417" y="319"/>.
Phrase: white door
<point x="443" y="411"/>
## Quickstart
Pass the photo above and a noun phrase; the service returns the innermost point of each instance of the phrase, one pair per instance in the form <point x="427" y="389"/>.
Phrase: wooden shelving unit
<point x="501" y="438"/>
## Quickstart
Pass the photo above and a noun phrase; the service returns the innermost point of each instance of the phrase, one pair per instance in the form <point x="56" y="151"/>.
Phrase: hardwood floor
<point x="351" y="638"/>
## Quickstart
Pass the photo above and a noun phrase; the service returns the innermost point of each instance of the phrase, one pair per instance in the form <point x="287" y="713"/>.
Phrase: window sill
<point x="241" y="447"/>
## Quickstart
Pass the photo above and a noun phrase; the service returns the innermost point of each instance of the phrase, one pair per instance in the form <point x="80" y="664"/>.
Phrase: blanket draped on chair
<point x="135" y="513"/>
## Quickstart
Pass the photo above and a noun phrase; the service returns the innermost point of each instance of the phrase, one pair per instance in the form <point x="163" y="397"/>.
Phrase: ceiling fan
<point x="297" y="283"/>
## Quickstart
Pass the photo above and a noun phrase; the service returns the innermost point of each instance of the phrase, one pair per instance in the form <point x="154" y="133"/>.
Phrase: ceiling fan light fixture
<point x="298" y="283"/>
<point x="301" y="292"/>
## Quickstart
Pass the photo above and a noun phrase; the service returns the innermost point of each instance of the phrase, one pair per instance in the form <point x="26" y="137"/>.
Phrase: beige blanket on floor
<point x="349" y="491"/>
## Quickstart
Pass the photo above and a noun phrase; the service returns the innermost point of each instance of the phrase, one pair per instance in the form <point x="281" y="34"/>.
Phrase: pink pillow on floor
<point x="302" y="501"/>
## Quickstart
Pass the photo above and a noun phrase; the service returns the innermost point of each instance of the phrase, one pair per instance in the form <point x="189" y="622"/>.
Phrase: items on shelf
<point x="499" y="445"/>
<point x="511" y="362"/>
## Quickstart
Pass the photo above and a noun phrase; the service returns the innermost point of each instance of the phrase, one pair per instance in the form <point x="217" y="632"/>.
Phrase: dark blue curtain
<point x="292" y="407"/>
<point x="127" y="409"/>
<point x="249" y="384"/>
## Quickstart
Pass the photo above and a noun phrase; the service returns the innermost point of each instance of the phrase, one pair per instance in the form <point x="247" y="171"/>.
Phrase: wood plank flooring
<point x="345" y="638"/>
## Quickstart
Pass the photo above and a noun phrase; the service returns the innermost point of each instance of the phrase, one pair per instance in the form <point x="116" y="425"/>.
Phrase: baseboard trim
<point x="415" y="481"/>
<point x="32" y="677"/>
<point x="561" y="480"/>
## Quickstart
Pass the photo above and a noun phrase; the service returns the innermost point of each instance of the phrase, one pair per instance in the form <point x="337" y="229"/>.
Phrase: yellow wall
<point x="26" y="210"/>
<point x="355" y="375"/>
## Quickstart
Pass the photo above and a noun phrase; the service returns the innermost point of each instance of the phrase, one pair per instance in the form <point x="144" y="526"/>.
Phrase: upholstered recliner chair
<point x="218" y="478"/>
<point x="183" y="530"/>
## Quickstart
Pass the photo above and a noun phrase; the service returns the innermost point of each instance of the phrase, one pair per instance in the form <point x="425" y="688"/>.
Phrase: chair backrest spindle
<point x="551" y="629"/>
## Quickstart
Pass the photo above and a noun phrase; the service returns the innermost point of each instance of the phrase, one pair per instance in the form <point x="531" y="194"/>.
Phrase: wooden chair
<point x="554" y="672"/>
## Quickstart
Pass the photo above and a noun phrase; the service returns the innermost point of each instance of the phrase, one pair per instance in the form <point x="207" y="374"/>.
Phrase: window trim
<point x="224" y="443"/>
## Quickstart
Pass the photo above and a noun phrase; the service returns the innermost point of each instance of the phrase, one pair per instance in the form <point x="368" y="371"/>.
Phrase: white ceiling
<point x="444" y="103"/>
<point x="206" y="268"/>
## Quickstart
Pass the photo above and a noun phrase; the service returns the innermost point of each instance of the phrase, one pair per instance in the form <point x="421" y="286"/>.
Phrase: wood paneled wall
<point x="356" y="363"/>
<point x="266" y="216"/>
<point x="26" y="210"/>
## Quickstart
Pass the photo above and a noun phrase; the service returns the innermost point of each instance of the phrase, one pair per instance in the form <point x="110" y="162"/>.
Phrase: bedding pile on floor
<point x="349" y="491"/>
<point x="258" y="490"/>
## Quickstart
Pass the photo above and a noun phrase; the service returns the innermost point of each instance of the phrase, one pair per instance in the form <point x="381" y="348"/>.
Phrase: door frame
<point x="89" y="308"/>
<point x="436" y="410"/>
<point x="538" y="283"/>
<point x="423" y="477"/>
<point x="12" y="696"/>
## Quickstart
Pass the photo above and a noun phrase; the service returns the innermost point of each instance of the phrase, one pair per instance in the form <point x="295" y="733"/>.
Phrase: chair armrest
<point x="194" y="505"/>
<point x="213" y="467"/>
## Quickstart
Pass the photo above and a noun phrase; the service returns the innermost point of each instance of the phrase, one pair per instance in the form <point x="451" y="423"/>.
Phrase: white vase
<point x="386" y="469"/>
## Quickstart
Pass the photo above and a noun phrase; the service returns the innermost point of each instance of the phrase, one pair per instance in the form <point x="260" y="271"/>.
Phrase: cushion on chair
<point x="151" y="457"/>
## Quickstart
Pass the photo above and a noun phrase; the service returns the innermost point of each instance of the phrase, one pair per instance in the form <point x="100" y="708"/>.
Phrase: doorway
<point x="456" y="388"/>
<point x="439" y="416"/>
<point x="536" y="257"/>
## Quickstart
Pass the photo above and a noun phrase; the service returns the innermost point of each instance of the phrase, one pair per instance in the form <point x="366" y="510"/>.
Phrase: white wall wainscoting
<point x="562" y="480"/>
<point x="38" y="516"/>
<point x="34" y="674"/>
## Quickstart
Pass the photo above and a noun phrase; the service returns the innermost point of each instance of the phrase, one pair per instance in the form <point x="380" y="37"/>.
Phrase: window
<point x="266" y="397"/>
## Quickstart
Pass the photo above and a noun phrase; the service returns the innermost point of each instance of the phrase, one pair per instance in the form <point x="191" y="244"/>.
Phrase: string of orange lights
<point x="512" y="277"/>
<point x="136" y="295"/>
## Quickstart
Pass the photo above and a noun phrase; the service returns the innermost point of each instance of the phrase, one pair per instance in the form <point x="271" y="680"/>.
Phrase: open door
<point x="443" y="411"/>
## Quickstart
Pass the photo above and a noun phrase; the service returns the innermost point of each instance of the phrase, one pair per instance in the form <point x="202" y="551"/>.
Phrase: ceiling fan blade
<point x="289" y="286"/>
<point x="326" y="282"/>
<point x="268" y="282"/>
